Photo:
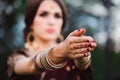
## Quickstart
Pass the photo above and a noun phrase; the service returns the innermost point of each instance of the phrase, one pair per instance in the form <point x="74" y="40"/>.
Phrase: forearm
<point x="57" y="54"/>
<point x="50" y="59"/>
<point x="24" y="66"/>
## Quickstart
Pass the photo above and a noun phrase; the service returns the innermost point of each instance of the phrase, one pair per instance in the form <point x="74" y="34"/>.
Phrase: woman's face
<point x="48" y="20"/>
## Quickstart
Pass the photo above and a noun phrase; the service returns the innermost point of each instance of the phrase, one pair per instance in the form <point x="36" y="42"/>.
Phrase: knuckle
<point x="71" y="47"/>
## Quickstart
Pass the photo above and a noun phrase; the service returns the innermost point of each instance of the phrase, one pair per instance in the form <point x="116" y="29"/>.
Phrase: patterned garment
<point x="69" y="72"/>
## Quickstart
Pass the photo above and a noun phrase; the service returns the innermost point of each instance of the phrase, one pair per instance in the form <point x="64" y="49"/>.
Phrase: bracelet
<point x="47" y="63"/>
<point x="43" y="61"/>
<point x="54" y="65"/>
<point x="36" y="65"/>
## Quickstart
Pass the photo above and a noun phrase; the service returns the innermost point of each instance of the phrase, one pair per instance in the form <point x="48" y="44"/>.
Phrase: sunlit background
<point x="101" y="18"/>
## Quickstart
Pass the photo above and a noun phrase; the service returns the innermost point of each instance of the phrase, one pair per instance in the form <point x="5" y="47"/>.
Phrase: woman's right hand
<point x="76" y="45"/>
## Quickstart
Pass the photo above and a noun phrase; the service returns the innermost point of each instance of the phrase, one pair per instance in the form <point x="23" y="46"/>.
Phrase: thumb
<point x="79" y="32"/>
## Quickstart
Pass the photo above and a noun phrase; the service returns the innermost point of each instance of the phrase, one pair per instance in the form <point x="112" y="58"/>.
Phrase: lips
<point x="50" y="30"/>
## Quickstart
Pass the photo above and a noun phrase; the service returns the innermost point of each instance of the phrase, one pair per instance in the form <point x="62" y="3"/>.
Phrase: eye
<point x="43" y="14"/>
<point x="58" y="15"/>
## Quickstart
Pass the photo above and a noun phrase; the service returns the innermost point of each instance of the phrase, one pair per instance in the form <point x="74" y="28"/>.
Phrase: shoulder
<point x="19" y="52"/>
<point x="13" y="57"/>
<point x="16" y="55"/>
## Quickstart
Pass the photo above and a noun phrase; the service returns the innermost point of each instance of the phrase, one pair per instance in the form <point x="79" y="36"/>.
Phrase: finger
<point x="80" y="45"/>
<point x="87" y="54"/>
<point x="79" y="39"/>
<point x="78" y="56"/>
<point x="84" y="50"/>
<point x="92" y="49"/>
<point x="81" y="55"/>
<point x="82" y="39"/>
<point x="93" y="44"/>
<point x="79" y="32"/>
<point x="81" y="50"/>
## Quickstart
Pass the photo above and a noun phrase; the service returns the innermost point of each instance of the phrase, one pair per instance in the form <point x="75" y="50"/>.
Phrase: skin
<point x="48" y="21"/>
<point x="46" y="27"/>
<point x="48" y="18"/>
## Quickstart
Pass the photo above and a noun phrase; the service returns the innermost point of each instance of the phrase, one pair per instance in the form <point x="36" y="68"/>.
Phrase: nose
<point x="51" y="20"/>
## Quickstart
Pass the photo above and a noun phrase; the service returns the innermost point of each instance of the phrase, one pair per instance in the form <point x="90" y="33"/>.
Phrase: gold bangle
<point x="47" y="63"/>
<point x="43" y="61"/>
<point x="54" y="65"/>
<point x="36" y="65"/>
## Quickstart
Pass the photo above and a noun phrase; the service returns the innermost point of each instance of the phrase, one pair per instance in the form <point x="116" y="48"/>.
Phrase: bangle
<point x="54" y="65"/>
<point x="36" y="65"/>
<point x="43" y="61"/>
<point x="47" y="63"/>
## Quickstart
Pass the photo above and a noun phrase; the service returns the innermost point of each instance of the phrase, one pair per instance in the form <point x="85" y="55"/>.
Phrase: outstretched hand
<point x="77" y="45"/>
<point x="78" y="33"/>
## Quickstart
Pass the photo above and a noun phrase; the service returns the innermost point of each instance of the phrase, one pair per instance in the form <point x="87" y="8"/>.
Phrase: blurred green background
<point x="101" y="18"/>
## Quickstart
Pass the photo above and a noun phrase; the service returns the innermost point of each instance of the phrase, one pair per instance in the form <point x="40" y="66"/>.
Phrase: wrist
<point x="57" y="54"/>
<point x="43" y="61"/>
<point x="83" y="63"/>
<point x="85" y="59"/>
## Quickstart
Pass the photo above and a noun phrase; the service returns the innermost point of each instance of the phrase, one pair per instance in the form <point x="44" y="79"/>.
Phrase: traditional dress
<point x="69" y="72"/>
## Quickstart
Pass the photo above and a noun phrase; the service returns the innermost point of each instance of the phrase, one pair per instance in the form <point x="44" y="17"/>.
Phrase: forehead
<point x="49" y="5"/>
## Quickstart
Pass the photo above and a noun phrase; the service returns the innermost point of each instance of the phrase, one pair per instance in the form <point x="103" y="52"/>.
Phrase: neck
<point x="39" y="44"/>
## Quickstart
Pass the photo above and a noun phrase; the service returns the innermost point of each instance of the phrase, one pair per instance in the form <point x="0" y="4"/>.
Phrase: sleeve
<point x="87" y="74"/>
<point x="85" y="67"/>
<point x="11" y="60"/>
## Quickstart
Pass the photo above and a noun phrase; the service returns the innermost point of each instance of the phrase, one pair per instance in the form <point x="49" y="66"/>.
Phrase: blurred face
<point x="48" y="21"/>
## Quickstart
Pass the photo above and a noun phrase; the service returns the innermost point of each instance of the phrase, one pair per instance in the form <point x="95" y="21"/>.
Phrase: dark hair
<point x="31" y="9"/>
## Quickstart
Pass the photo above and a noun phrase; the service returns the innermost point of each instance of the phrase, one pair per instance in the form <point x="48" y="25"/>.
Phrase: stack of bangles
<point x="46" y="63"/>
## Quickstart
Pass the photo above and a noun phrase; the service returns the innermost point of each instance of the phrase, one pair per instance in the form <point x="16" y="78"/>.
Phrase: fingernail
<point x="89" y="40"/>
<point x="86" y="54"/>
<point x="88" y="49"/>
<point x="78" y="29"/>
<point x="92" y="40"/>
<point x="83" y="29"/>
<point x="89" y="44"/>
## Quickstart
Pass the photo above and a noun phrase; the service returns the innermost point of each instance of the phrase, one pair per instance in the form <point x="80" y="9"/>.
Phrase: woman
<point x="43" y="58"/>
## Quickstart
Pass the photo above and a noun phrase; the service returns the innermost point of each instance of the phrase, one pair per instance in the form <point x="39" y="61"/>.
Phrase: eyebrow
<point x="50" y="11"/>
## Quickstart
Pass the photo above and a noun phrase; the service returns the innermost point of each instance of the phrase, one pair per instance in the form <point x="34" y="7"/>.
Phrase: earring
<point x="60" y="38"/>
<point x="29" y="40"/>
